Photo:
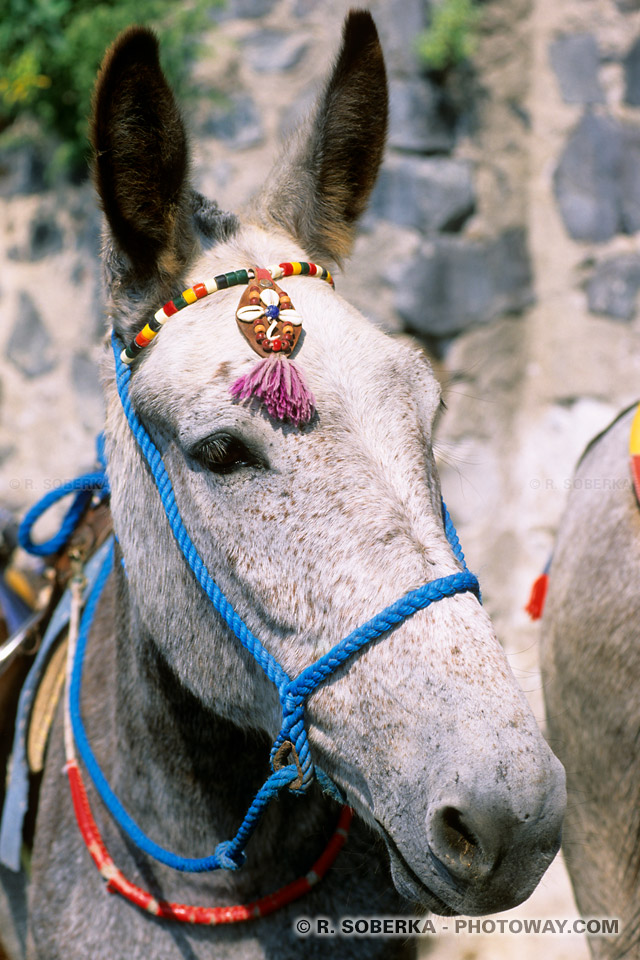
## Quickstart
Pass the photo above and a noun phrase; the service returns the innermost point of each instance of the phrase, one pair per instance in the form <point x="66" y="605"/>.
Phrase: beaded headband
<point x="270" y="324"/>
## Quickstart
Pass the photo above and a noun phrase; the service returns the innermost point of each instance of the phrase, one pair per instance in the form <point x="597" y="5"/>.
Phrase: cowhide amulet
<point x="278" y="335"/>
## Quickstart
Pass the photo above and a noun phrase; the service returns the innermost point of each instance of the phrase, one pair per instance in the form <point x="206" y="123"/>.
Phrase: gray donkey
<point x="591" y="669"/>
<point x="309" y="530"/>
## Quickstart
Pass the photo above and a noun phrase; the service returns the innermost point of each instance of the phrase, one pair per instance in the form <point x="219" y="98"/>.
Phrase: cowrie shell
<point x="269" y="297"/>
<point x="250" y="313"/>
<point x="291" y="316"/>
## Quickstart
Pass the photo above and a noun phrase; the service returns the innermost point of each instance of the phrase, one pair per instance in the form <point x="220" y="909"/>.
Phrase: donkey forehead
<point x="356" y="372"/>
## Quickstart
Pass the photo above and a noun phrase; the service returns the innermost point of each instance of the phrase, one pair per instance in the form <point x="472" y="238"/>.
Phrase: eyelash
<point x="224" y="453"/>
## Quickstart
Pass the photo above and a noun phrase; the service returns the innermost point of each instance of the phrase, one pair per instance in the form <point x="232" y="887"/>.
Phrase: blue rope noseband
<point x="293" y="692"/>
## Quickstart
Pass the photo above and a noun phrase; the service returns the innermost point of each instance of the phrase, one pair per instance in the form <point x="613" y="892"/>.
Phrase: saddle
<point x="32" y="673"/>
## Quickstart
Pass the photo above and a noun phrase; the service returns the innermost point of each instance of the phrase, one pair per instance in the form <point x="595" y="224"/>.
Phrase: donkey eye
<point x="224" y="453"/>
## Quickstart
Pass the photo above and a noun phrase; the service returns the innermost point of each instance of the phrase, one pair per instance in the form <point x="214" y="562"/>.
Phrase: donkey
<point x="309" y="529"/>
<point x="591" y="669"/>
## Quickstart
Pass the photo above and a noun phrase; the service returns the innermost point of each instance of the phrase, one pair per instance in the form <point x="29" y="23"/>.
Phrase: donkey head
<point x="310" y="531"/>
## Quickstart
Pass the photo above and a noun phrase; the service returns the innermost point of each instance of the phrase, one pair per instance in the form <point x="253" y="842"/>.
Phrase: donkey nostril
<point x="466" y="843"/>
<point x="458" y="837"/>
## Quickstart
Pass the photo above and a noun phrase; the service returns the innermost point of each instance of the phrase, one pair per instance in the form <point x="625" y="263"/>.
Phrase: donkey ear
<point x="141" y="160"/>
<point x="320" y="193"/>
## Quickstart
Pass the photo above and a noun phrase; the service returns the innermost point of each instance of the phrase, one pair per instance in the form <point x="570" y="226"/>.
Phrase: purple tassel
<point x="282" y="388"/>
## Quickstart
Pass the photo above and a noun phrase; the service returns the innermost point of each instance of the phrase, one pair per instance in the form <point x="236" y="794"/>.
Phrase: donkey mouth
<point x="409" y="885"/>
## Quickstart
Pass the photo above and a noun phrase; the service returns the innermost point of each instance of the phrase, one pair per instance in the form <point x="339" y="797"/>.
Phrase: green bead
<point x="180" y="302"/>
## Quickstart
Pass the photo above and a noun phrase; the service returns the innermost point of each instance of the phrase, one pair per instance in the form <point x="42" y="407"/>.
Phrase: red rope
<point x="118" y="883"/>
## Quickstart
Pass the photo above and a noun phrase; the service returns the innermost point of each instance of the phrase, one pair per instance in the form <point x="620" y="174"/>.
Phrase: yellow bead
<point x="148" y="333"/>
<point x="189" y="295"/>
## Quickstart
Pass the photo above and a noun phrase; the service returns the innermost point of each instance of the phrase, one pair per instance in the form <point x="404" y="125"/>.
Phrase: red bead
<point x="200" y="290"/>
<point x="287" y="268"/>
<point x="170" y="308"/>
<point x="276" y="344"/>
<point x="254" y="301"/>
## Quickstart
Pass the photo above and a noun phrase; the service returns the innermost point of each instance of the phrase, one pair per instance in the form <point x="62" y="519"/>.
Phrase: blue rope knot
<point x="228" y="857"/>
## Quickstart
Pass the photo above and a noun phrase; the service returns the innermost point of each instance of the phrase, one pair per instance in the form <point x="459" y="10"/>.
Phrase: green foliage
<point x="449" y="40"/>
<point x="50" y="51"/>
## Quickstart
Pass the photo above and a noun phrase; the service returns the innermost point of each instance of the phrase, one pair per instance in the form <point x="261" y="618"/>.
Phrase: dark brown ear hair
<point x="141" y="159"/>
<point x="320" y="192"/>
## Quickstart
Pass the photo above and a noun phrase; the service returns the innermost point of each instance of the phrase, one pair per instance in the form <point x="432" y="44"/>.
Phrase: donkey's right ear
<point x="141" y="160"/>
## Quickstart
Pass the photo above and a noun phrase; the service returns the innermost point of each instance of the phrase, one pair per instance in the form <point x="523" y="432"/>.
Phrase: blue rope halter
<point x="292" y="739"/>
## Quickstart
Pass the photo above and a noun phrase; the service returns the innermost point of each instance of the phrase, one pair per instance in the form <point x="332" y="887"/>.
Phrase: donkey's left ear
<point x="319" y="193"/>
<point x="141" y="160"/>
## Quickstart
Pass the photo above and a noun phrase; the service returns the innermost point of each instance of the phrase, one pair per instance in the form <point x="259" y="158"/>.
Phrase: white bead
<point x="211" y="285"/>
<point x="291" y="316"/>
<point x="276" y="272"/>
<point x="269" y="297"/>
<point x="249" y="313"/>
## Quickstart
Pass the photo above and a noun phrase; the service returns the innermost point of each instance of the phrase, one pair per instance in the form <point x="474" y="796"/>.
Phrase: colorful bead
<point x="189" y="296"/>
<point x="222" y="282"/>
<point x="118" y="883"/>
<point x="276" y="344"/>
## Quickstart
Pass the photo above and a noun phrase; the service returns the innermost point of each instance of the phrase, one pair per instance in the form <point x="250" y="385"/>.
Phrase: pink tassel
<point x="280" y="385"/>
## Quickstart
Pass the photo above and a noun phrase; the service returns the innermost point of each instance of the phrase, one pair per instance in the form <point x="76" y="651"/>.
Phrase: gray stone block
<point x="400" y="27"/>
<point x="613" y="287"/>
<point x="454" y="283"/>
<point x="575" y="60"/>
<point x="270" y="51"/>
<point x="427" y="194"/>
<point x="587" y="179"/>
<point x="419" y="117"/>
<point x="45" y="238"/>
<point x="632" y="75"/>
<point x="629" y="182"/>
<point x="22" y="170"/>
<point x="30" y="347"/>
<point x="236" y="121"/>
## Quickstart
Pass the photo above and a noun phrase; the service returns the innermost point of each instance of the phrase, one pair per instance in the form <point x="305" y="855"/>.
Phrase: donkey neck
<point x="187" y="775"/>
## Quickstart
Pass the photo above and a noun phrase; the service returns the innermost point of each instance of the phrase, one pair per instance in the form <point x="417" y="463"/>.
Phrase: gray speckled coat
<point x="591" y="667"/>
